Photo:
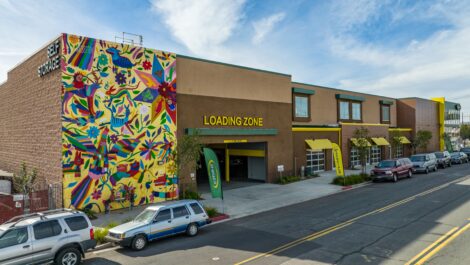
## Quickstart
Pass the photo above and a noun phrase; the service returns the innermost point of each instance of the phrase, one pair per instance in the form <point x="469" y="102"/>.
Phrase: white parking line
<point x="105" y="250"/>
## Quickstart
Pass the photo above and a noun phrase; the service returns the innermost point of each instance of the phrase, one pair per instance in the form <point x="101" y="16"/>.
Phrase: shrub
<point x="190" y="195"/>
<point x="90" y="213"/>
<point x="100" y="233"/>
<point x="211" y="211"/>
<point x="351" y="179"/>
<point x="288" y="179"/>
<point x="111" y="225"/>
<point x="127" y="220"/>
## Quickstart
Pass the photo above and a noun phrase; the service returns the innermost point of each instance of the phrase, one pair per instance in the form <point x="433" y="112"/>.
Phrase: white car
<point x="159" y="221"/>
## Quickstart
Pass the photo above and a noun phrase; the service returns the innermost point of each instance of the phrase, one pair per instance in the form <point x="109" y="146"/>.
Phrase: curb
<point x="351" y="187"/>
<point x="102" y="246"/>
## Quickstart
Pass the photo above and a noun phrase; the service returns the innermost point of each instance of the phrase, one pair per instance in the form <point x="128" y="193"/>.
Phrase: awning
<point x="380" y="141"/>
<point x="355" y="142"/>
<point x="319" y="144"/>
<point x="404" y="140"/>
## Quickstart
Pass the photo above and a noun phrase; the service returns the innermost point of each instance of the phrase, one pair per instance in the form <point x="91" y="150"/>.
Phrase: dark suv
<point x="443" y="159"/>
<point x="392" y="169"/>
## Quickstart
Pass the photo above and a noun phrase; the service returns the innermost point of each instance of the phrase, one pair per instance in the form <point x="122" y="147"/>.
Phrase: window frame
<point x="294" y="117"/>
<point x="16" y="229"/>
<point x="389" y="113"/>
<point x="350" y="109"/>
<point x="156" y="216"/>
<point x="180" y="216"/>
<point x="51" y="224"/>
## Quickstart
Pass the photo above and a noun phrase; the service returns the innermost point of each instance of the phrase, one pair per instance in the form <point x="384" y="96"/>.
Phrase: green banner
<point x="213" y="170"/>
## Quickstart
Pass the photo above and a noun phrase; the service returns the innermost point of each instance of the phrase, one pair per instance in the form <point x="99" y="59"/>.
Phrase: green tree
<point x="362" y="146"/>
<point x="24" y="181"/>
<point x="465" y="132"/>
<point x="188" y="154"/>
<point x="421" y="140"/>
<point x="395" y="142"/>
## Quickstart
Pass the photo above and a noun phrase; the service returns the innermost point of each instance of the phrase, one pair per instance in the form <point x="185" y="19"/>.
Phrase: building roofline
<point x="231" y="65"/>
<point x="343" y="90"/>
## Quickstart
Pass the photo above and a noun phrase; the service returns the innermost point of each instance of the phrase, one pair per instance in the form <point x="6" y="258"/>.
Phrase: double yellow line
<point x="345" y="224"/>
<point x="435" y="247"/>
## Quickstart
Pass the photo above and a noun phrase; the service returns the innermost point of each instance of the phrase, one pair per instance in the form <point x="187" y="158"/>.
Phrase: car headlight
<point x="123" y="235"/>
<point x="388" y="172"/>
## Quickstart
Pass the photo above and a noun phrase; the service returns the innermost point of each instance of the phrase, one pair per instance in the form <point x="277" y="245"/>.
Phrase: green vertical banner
<point x="213" y="170"/>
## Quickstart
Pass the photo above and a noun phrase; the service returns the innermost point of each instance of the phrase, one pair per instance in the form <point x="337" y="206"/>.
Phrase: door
<point x="161" y="225"/>
<point x="198" y="213"/>
<point x="180" y="219"/>
<point x="400" y="167"/>
<point x="15" y="246"/>
<point x="48" y="235"/>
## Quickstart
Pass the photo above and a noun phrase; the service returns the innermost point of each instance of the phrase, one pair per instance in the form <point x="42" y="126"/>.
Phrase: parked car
<point x="392" y="169"/>
<point x="424" y="162"/>
<point x="62" y="236"/>
<point x="459" y="157"/>
<point x="160" y="221"/>
<point x="443" y="159"/>
<point x="466" y="150"/>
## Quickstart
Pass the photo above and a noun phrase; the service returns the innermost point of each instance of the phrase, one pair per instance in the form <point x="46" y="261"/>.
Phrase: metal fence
<point x="44" y="197"/>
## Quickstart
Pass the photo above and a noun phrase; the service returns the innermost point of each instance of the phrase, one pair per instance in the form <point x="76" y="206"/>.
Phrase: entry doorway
<point x="241" y="164"/>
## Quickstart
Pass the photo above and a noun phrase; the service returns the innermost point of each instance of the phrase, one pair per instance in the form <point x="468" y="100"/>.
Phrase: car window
<point x="418" y="158"/>
<point x="47" y="229"/>
<point x="196" y="208"/>
<point x="14" y="237"/>
<point x="163" y="215"/>
<point x="398" y="163"/>
<point x="180" y="211"/>
<point x="76" y="223"/>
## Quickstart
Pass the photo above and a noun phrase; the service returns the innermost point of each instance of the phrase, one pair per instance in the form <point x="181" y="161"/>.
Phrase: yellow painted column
<point x="227" y="164"/>
<point x="441" y="101"/>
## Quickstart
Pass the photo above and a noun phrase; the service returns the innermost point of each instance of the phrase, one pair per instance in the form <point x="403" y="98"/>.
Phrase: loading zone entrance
<point x="239" y="162"/>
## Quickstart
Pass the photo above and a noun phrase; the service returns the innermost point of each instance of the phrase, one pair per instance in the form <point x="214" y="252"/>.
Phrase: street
<point x="422" y="220"/>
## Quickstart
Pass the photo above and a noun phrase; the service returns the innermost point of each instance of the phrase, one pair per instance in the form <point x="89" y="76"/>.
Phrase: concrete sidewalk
<point x="251" y="199"/>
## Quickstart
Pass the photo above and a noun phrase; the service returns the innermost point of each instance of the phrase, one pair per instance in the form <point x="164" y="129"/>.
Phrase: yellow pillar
<point x="227" y="164"/>
<point x="441" y="101"/>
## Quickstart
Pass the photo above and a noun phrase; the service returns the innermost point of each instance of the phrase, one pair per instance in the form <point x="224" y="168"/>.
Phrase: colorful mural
<point x="118" y="124"/>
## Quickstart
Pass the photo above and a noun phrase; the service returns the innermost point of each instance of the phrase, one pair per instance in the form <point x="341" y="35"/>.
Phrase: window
<point x="399" y="151"/>
<point x="196" y="208"/>
<point x="375" y="154"/>
<point x="384" y="113"/>
<point x="356" y="111"/>
<point x="180" y="211"/>
<point x="76" y="223"/>
<point x="301" y="107"/>
<point x="14" y="237"/>
<point x="349" y="110"/>
<point x="47" y="229"/>
<point x="163" y="215"/>
<point x="315" y="162"/>
<point x="354" y="157"/>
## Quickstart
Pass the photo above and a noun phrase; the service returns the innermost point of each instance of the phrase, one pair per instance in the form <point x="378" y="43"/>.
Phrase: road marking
<point x="105" y="250"/>
<point x="438" y="245"/>
<point x="347" y="223"/>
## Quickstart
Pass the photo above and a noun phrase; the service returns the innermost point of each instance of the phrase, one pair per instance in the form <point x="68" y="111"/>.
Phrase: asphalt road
<point x="413" y="221"/>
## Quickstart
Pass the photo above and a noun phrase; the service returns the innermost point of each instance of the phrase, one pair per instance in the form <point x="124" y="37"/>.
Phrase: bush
<point x="351" y="179"/>
<point x="288" y="179"/>
<point x="211" y="211"/>
<point x="90" y="213"/>
<point x="190" y="195"/>
<point x="111" y="225"/>
<point x="100" y="233"/>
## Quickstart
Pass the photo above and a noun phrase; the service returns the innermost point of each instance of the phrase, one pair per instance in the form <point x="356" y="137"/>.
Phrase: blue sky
<point x="393" y="48"/>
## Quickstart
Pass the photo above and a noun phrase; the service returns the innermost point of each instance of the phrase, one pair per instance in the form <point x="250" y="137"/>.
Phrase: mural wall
<point x="118" y="124"/>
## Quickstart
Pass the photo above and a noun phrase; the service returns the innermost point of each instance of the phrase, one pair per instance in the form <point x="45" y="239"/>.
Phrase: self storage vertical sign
<point x="213" y="171"/>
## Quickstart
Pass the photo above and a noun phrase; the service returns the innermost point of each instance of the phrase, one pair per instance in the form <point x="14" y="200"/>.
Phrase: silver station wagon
<point x="159" y="221"/>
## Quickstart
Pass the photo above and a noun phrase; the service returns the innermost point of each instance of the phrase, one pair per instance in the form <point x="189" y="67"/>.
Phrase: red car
<point x="392" y="169"/>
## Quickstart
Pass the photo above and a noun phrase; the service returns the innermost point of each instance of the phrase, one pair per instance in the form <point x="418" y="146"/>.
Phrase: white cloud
<point x="203" y="26"/>
<point x="265" y="25"/>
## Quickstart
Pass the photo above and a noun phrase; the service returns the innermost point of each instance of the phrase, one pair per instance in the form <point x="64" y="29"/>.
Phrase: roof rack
<point x="41" y="215"/>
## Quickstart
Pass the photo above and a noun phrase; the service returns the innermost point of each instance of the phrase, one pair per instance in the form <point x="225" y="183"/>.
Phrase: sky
<point x="415" y="48"/>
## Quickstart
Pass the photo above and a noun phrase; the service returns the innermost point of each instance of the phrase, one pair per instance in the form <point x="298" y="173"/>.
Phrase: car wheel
<point x="410" y="174"/>
<point x="139" y="242"/>
<point x="192" y="229"/>
<point x="427" y="171"/>
<point x="69" y="256"/>
<point x="395" y="178"/>
<point x="450" y="164"/>
<point x="435" y="168"/>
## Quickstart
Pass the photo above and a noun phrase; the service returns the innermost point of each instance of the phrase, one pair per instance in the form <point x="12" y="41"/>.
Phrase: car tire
<point x="435" y="168"/>
<point x="68" y="256"/>
<point x="410" y="174"/>
<point x="427" y="170"/>
<point x="192" y="229"/>
<point x="139" y="242"/>
<point x="395" y="178"/>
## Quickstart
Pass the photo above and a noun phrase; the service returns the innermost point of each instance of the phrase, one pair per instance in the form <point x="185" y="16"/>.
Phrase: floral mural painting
<point x="118" y="124"/>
